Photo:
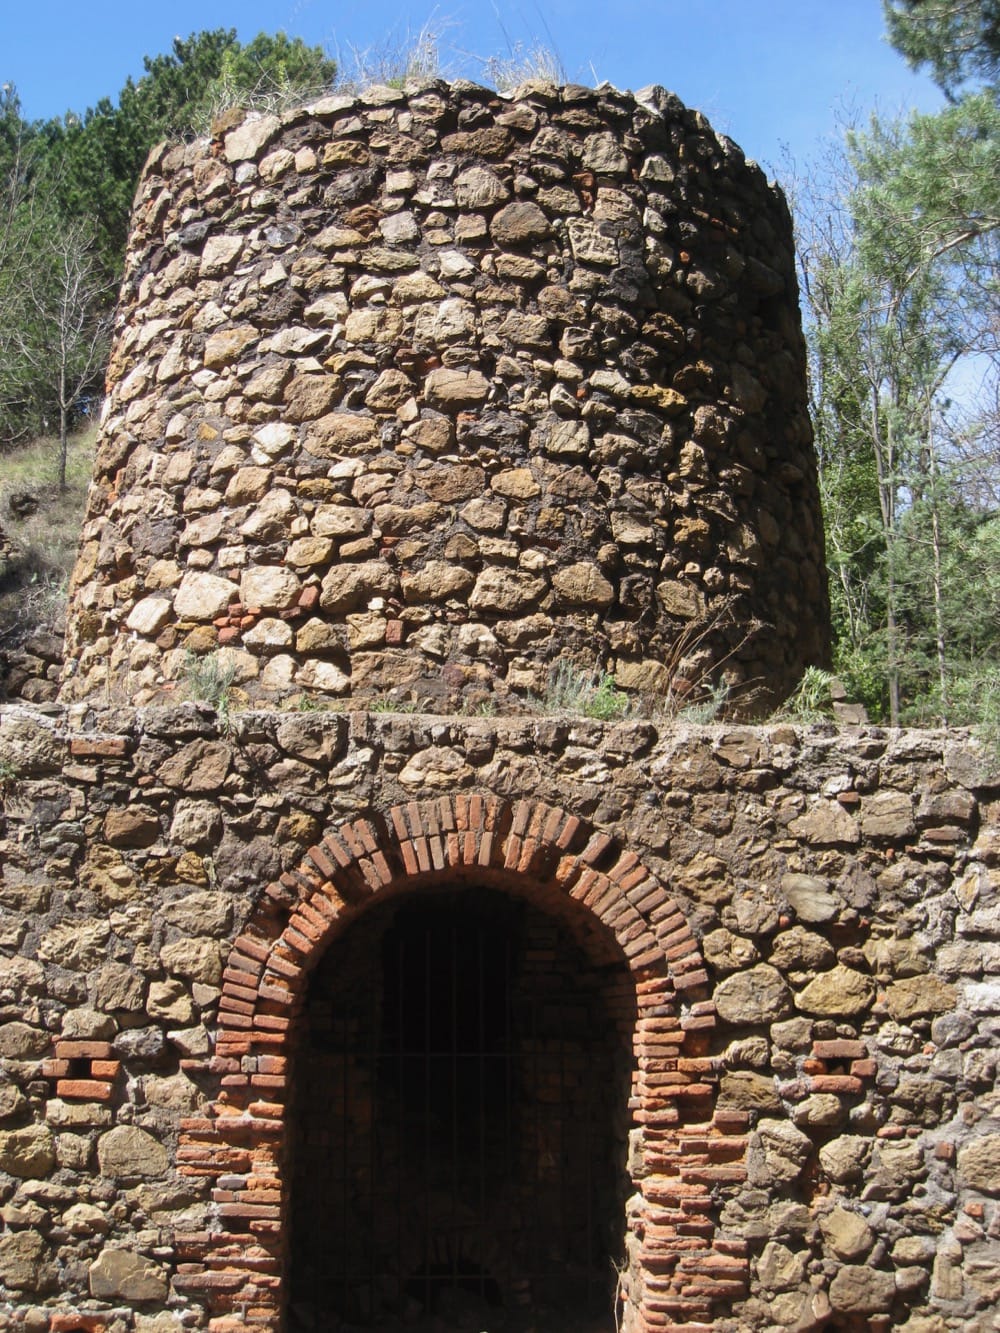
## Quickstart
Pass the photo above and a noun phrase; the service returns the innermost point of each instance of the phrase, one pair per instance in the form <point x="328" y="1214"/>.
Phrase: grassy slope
<point x="34" y="574"/>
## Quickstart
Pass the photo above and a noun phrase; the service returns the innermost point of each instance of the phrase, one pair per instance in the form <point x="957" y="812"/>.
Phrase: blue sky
<point x="770" y="73"/>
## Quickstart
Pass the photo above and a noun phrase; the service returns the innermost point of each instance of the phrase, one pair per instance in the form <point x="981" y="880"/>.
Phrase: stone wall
<point x="809" y="918"/>
<point x="417" y="393"/>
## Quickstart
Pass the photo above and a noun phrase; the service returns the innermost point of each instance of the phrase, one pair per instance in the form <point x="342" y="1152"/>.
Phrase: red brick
<point x="336" y="849"/>
<point x="272" y="1022"/>
<point x="247" y="993"/>
<point x="839" y="1049"/>
<point x="688" y="981"/>
<point x="209" y="1281"/>
<point x="263" y="1210"/>
<point x="835" y="1083"/>
<point x="97" y="747"/>
<point x="570" y="829"/>
<point x="77" y="1050"/>
<point x="252" y="946"/>
<point x="84" y="1089"/>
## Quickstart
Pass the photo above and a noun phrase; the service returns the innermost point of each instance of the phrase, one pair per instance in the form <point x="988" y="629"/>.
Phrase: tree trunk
<point x="63" y="428"/>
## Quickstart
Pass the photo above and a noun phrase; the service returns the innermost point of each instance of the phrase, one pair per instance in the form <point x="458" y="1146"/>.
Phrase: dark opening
<point x="459" y="1123"/>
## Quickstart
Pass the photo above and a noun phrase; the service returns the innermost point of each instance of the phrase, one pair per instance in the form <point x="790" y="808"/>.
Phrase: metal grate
<point x="454" y="1151"/>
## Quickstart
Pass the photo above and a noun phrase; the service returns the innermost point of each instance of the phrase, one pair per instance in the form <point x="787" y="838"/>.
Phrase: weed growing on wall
<point x="210" y="680"/>
<point x="811" y="701"/>
<point x="586" y="693"/>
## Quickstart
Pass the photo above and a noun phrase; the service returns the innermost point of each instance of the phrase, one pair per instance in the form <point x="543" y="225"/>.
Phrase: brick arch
<point x="682" y="1147"/>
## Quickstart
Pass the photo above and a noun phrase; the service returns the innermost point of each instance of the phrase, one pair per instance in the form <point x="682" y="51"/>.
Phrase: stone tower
<point x="414" y="398"/>
<point x="358" y="1016"/>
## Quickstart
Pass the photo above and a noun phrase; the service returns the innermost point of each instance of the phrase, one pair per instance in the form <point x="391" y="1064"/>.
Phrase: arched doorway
<point x="681" y="1151"/>
<point x="459" y="1123"/>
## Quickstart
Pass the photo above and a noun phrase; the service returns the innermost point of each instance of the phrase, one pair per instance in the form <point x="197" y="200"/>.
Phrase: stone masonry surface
<point x="414" y="397"/>
<point x="416" y="393"/>
<point x="815" y="1135"/>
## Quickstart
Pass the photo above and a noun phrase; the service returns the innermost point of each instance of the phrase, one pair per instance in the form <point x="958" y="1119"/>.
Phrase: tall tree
<point x="957" y="40"/>
<point x="66" y="189"/>
<point x="62" y="336"/>
<point x="892" y="315"/>
<point x="22" y="220"/>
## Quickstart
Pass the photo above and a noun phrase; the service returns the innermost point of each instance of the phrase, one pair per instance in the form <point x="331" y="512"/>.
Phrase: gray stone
<point x="759" y="995"/>
<point x="979" y="1164"/>
<point x="132" y="826"/>
<point x="843" y="1159"/>
<point x="603" y="153"/>
<point x="269" y="588"/>
<point x="25" y="1262"/>
<point x="800" y="950"/>
<point x="727" y="952"/>
<point x="779" y="1268"/>
<point x="12" y="1102"/>
<point x="118" y="986"/>
<point x="452" y="389"/>
<point x="437" y="581"/>
<point x="200" y="766"/>
<point x="202" y="912"/>
<point x="129" y="1153"/>
<point x="245" y="143"/>
<point x="809" y="897"/>
<point x="437" y="768"/>
<point x="887" y="815"/>
<point x="348" y="586"/>
<point x="196" y="824"/>
<point x="583" y="584"/>
<point x="88" y="1025"/>
<point x="479" y="187"/>
<point x="841" y="992"/>
<point x="203" y="596"/>
<point x="198" y="960"/>
<point x="859" y="1289"/>
<point x="149" y="615"/>
<point x="28" y="1153"/>
<point x="749" y="1091"/>
<point x="827" y="824"/>
<point x="519" y="224"/>
<point x="847" y="1234"/>
<point x="505" y="590"/>
<point x="920" y="997"/>
<point x="19" y="1041"/>
<point x="776" y="1153"/>
<point x="131" y="1277"/>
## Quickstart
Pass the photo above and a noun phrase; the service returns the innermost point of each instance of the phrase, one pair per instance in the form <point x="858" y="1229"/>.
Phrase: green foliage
<point x="709" y="705"/>
<point x="66" y="190"/>
<point x="899" y="272"/>
<point x="585" y="693"/>
<point x="42" y="524"/>
<point x="927" y="189"/>
<point x="811" y="700"/>
<point x="956" y="40"/>
<point x="209" y="679"/>
<point x="387" y="703"/>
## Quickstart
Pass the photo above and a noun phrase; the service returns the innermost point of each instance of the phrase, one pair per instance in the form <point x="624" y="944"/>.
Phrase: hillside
<point x="39" y="533"/>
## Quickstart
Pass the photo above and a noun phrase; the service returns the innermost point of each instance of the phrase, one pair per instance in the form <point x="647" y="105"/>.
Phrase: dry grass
<point x="41" y="524"/>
